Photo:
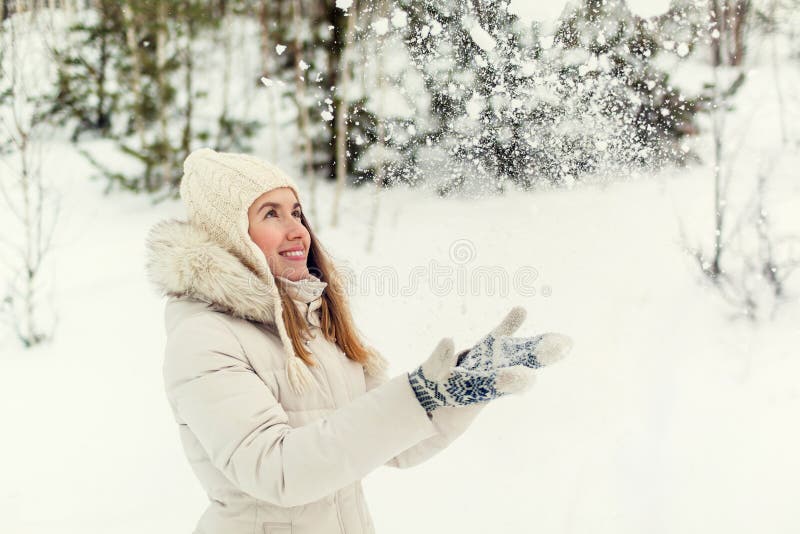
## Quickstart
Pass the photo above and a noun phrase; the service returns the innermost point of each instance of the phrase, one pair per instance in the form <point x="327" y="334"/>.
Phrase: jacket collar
<point x="307" y="296"/>
<point x="306" y="290"/>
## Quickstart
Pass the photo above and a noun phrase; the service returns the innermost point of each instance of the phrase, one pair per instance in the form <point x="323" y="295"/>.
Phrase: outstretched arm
<point x="245" y="431"/>
<point x="450" y="422"/>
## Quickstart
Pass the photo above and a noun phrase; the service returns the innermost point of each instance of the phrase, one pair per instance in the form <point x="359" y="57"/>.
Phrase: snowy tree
<point x="342" y="100"/>
<point x="86" y="93"/>
<point x="128" y="71"/>
<point x="391" y="101"/>
<point x="746" y="262"/>
<point x="727" y="21"/>
<point x="511" y="102"/>
<point x="610" y="77"/>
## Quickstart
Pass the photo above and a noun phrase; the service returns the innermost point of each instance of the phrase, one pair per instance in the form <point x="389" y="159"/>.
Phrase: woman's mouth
<point x="294" y="255"/>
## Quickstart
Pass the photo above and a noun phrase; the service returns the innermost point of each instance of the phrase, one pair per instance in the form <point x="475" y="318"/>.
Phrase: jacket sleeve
<point x="450" y="422"/>
<point x="245" y="431"/>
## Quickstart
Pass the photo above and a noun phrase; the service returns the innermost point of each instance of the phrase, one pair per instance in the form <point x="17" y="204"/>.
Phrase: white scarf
<point x="307" y="295"/>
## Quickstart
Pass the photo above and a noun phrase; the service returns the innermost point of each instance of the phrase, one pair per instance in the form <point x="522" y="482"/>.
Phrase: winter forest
<point x="625" y="170"/>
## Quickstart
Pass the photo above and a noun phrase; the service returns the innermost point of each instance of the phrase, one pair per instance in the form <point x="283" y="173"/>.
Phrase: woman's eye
<point x="273" y="213"/>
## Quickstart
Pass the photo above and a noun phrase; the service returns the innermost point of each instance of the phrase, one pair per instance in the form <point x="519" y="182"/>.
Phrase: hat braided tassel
<point x="376" y="365"/>
<point x="297" y="373"/>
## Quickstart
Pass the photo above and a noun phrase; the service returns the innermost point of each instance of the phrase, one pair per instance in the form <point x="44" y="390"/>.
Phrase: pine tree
<point x="510" y="104"/>
<point x="640" y="115"/>
<point x="86" y="92"/>
<point x="123" y="77"/>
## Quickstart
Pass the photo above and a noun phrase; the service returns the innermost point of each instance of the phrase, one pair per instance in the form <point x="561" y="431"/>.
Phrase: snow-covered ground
<point x="668" y="416"/>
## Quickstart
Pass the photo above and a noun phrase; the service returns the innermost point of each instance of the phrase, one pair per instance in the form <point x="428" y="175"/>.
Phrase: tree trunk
<point x="380" y="168"/>
<point x="715" y="17"/>
<point x="102" y="116"/>
<point x="29" y="335"/>
<point x="264" y="18"/>
<point x="719" y="201"/>
<point x="226" y="83"/>
<point x="738" y="22"/>
<point x="303" y="118"/>
<point x="136" y="80"/>
<point x="776" y="75"/>
<point x="770" y="269"/>
<point x="340" y="110"/>
<point x="186" y="137"/>
<point x="161" y="81"/>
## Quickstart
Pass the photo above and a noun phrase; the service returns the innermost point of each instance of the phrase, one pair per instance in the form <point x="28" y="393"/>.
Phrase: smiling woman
<point x="282" y="409"/>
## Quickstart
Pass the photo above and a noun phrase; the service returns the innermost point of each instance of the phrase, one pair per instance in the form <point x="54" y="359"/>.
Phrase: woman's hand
<point x="440" y="382"/>
<point x="499" y="349"/>
<point x="497" y="365"/>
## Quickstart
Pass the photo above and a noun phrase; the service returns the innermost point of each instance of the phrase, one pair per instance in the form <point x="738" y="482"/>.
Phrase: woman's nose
<point x="296" y="230"/>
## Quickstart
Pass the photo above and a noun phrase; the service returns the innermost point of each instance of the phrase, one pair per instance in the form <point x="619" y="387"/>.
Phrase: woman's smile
<point x="294" y="254"/>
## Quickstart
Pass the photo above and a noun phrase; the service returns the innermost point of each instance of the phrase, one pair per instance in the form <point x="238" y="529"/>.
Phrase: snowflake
<point x="399" y="18"/>
<point x="381" y="26"/>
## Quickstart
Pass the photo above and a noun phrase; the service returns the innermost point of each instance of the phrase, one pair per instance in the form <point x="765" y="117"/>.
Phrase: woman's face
<point x="276" y="228"/>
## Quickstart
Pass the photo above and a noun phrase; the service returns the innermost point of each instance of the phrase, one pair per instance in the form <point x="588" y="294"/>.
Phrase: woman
<point x="281" y="407"/>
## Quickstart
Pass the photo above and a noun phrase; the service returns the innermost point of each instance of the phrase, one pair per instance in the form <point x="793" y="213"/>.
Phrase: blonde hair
<point x="336" y="321"/>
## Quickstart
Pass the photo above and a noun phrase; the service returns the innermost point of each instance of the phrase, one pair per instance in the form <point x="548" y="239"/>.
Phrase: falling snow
<point x="481" y="37"/>
<point x="380" y="26"/>
<point x="524" y="95"/>
<point x="344" y="5"/>
<point x="399" y="18"/>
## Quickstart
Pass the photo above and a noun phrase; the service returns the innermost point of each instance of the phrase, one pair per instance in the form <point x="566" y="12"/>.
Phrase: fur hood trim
<point x="184" y="261"/>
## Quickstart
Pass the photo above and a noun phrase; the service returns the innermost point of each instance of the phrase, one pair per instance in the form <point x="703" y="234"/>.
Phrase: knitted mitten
<point x="498" y="349"/>
<point x="439" y="382"/>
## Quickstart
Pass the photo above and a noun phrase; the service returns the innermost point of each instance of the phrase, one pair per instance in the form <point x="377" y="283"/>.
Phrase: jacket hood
<point x="184" y="261"/>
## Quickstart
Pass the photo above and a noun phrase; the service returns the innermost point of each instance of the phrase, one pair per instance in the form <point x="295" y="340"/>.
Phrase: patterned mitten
<point x="498" y="349"/>
<point x="439" y="382"/>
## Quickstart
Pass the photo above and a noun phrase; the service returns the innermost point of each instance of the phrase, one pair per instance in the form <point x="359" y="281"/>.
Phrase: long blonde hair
<point x="336" y="321"/>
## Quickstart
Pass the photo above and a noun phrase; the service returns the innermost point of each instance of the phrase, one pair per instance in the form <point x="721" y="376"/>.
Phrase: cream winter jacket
<point x="273" y="461"/>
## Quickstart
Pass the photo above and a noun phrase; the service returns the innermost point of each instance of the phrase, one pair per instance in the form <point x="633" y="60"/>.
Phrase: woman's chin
<point x="293" y="273"/>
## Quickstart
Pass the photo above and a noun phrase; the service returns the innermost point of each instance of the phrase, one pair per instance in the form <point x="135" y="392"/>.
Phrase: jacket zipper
<point x="325" y="372"/>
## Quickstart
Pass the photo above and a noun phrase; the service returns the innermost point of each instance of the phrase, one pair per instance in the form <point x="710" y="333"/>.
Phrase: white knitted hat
<point x="217" y="189"/>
